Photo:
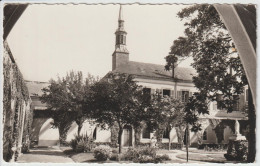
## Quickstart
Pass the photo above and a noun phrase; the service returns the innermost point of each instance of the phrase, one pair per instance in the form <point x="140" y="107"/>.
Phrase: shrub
<point x="213" y="147"/>
<point x="144" y="155"/>
<point x="102" y="152"/>
<point x="25" y="147"/>
<point x="82" y="143"/>
<point x="147" y="151"/>
<point x="164" y="157"/>
<point x="144" y="159"/>
<point x="131" y="153"/>
<point x="237" y="151"/>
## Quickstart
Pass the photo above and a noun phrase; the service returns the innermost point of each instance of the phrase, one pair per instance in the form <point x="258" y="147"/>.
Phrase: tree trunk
<point x="187" y="142"/>
<point x="79" y="128"/>
<point x="169" y="147"/>
<point x="120" y="132"/>
<point x="63" y="136"/>
<point x="252" y="127"/>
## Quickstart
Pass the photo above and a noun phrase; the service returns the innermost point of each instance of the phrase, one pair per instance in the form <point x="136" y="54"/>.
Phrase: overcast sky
<point x="49" y="40"/>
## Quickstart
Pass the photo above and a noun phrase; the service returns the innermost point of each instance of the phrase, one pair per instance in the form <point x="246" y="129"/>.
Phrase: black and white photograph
<point x="129" y="83"/>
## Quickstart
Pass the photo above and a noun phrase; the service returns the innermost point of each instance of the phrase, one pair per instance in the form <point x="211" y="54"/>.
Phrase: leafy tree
<point x="116" y="99"/>
<point x="220" y="74"/>
<point x="164" y="112"/>
<point x="65" y="99"/>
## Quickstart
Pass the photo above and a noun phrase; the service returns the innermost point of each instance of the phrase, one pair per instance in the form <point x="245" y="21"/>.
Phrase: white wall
<point x="48" y="136"/>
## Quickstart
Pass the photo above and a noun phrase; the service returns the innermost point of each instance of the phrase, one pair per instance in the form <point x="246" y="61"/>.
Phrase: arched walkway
<point x="48" y="136"/>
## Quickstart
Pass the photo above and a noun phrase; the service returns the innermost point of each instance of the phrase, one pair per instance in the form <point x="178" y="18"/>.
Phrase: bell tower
<point x="121" y="54"/>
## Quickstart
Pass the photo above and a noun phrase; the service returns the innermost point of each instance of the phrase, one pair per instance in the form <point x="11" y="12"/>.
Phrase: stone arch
<point x="48" y="136"/>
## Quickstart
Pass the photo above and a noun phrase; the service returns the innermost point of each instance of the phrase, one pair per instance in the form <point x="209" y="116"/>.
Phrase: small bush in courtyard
<point x="102" y="152"/>
<point x="131" y="154"/>
<point x="25" y="147"/>
<point x="237" y="151"/>
<point x="82" y="143"/>
<point x="144" y="155"/>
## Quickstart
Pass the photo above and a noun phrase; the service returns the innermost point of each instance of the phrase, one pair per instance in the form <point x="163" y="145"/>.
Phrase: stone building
<point x="152" y="77"/>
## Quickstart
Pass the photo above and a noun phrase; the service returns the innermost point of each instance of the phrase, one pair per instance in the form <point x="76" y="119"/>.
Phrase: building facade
<point x="152" y="77"/>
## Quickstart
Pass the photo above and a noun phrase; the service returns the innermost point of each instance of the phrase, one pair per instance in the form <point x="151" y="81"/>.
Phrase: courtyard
<point x="194" y="104"/>
<point x="67" y="155"/>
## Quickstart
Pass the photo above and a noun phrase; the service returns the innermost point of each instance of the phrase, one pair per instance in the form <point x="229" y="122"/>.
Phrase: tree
<point x="164" y="112"/>
<point x="65" y="99"/>
<point x="220" y="74"/>
<point x="116" y="99"/>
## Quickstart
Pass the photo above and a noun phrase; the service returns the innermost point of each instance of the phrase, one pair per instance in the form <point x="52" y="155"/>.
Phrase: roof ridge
<point x="161" y="65"/>
<point x="41" y="82"/>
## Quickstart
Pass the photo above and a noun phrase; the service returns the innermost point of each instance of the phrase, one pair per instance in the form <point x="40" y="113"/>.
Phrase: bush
<point x="82" y="143"/>
<point x="237" y="150"/>
<point x="164" y="157"/>
<point x="213" y="147"/>
<point x="131" y="154"/>
<point x="147" y="151"/>
<point x="25" y="147"/>
<point x="143" y="155"/>
<point x="144" y="159"/>
<point x="111" y="144"/>
<point x="102" y="152"/>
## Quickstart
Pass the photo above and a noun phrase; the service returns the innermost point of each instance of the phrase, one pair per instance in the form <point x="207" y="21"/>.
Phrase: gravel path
<point x="45" y="155"/>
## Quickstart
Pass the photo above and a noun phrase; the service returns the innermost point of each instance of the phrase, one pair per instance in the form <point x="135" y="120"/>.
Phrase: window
<point x="185" y="96"/>
<point x="166" y="92"/>
<point x="146" y="133"/>
<point x="205" y="135"/>
<point x="166" y="133"/>
<point x="147" y="94"/>
<point x="236" y="104"/>
<point x="246" y="95"/>
<point x="219" y="99"/>
<point x="117" y="39"/>
<point x="121" y="39"/>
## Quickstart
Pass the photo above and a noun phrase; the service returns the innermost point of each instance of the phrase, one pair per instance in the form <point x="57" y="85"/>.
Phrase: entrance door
<point x="127" y="141"/>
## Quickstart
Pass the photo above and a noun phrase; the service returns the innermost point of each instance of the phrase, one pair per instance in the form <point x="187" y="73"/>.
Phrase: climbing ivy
<point x="15" y="98"/>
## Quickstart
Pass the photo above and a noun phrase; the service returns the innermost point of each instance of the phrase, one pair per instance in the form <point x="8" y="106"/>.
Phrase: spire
<point x="121" y="54"/>
<point x="120" y="20"/>
<point x="120" y="13"/>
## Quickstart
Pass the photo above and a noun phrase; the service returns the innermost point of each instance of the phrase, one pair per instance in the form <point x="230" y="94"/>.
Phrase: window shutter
<point x="179" y="95"/>
<point x="161" y="92"/>
<point x="172" y="94"/>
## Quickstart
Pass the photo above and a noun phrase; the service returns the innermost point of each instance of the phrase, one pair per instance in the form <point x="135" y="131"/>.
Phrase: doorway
<point x="127" y="136"/>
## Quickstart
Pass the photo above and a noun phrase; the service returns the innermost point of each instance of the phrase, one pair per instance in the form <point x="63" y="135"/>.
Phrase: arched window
<point x="205" y="135"/>
<point x="121" y="39"/>
<point x="117" y="39"/>
<point x="146" y="133"/>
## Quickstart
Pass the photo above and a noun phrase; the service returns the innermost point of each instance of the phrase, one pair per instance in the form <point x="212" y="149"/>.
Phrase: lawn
<point x="214" y="158"/>
<point x="201" y="151"/>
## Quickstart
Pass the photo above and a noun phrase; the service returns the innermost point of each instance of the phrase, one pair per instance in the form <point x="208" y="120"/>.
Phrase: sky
<point x="50" y="40"/>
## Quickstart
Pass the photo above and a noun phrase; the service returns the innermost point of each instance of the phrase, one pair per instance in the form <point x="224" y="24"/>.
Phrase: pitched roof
<point x="155" y="71"/>
<point x="36" y="87"/>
